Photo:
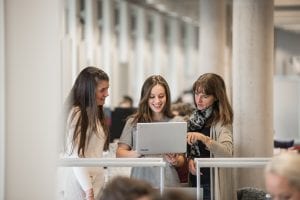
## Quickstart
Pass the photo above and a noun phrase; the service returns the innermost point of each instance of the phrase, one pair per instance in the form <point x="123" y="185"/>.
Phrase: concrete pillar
<point x="253" y="45"/>
<point x="157" y="43"/>
<point x="191" y="64"/>
<point x="72" y="27"/>
<point x="174" y="72"/>
<point x="32" y="97"/>
<point x="2" y="102"/>
<point x="139" y="49"/>
<point x="212" y="36"/>
<point x="107" y="41"/>
<point x="124" y="33"/>
<point x="106" y="35"/>
<point x="89" y="30"/>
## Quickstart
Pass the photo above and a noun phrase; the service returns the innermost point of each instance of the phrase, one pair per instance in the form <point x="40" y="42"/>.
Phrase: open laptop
<point x="161" y="137"/>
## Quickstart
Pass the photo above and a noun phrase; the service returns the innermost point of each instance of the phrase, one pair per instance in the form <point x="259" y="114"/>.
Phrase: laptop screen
<point x="161" y="137"/>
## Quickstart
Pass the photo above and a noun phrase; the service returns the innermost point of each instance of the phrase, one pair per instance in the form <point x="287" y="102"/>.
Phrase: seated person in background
<point x="283" y="177"/>
<point x="126" y="102"/>
<point x="182" y="109"/>
<point x="125" y="188"/>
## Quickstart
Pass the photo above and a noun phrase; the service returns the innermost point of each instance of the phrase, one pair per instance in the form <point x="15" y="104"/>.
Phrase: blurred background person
<point x="126" y="102"/>
<point x="283" y="177"/>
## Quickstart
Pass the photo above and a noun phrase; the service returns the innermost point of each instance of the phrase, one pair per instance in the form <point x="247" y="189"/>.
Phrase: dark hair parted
<point x="83" y="96"/>
<point x="213" y="84"/>
<point x="144" y="112"/>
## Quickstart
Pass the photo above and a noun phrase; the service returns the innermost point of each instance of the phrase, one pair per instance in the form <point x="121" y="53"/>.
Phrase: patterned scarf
<point x="195" y="124"/>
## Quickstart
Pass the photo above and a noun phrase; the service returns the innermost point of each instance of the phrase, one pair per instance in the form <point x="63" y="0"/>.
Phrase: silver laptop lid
<point x="161" y="137"/>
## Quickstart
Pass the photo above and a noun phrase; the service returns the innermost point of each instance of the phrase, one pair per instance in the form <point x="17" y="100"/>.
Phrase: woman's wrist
<point x="207" y="141"/>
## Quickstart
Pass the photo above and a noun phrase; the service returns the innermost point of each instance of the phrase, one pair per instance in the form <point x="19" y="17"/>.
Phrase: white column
<point x="124" y="33"/>
<point x="175" y="72"/>
<point x="2" y="102"/>
<point x="107" y="41"/>
<point x="32" y="97"/>
<point x="121" y="73"/>
<point x="106" y="35"/>
<point x="72" y="5"/>
<point x="140" y="54"/>
<point x="253" y="45"/>
<point x="157" y="42"/>
<point x="190" y="60"/>
<point x="212" y="36"/>
<point x="89" y="31"/>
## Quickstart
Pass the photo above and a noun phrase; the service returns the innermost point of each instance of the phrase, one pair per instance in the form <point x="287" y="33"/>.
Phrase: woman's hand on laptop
<point x="171" y="158"/>
<point x="175" y="159"/>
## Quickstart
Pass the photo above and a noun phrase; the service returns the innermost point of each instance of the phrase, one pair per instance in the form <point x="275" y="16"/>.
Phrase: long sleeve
<point x="81" y="173"/>
<point x="222" y="143"/>
<point x="83" y="177"/>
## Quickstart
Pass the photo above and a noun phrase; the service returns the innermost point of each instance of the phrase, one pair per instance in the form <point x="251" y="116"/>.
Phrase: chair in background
<point x="283" y="144"/>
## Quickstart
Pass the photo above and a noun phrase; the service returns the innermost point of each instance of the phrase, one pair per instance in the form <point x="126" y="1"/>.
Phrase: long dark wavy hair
<point x="144" y="112"/>
<point x="83" y="96"/>
<point x="213" y="84"/>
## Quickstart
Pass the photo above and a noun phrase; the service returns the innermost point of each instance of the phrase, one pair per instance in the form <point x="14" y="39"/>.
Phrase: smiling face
<point x="157" y="99"/>
<point x="102" y="92"/>
<point x="280" y="189"/>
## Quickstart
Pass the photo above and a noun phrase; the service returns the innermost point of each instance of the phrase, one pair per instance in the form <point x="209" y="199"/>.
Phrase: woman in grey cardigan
<point x="210" y="135"/>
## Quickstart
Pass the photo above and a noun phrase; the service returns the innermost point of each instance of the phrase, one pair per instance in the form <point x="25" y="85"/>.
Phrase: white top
<point x="93" y="149"/>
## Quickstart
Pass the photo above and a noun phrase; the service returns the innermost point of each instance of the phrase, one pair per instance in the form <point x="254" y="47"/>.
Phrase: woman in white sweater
<point x="87" y="133"/>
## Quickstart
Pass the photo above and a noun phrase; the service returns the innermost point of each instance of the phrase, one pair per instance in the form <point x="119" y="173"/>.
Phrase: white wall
<point x="32" y="97"/>
<point x="287" y="108"/>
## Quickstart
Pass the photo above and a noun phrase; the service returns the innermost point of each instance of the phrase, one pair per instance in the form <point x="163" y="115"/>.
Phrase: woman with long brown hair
<point x="87" y="133"/>
<point x="210" y="134"/>
<point x="154" y="106"/>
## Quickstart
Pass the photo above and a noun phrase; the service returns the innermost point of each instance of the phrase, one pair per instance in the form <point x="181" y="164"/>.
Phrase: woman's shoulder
<point x="221" y="126"/>
<point x="129" y="120"/>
